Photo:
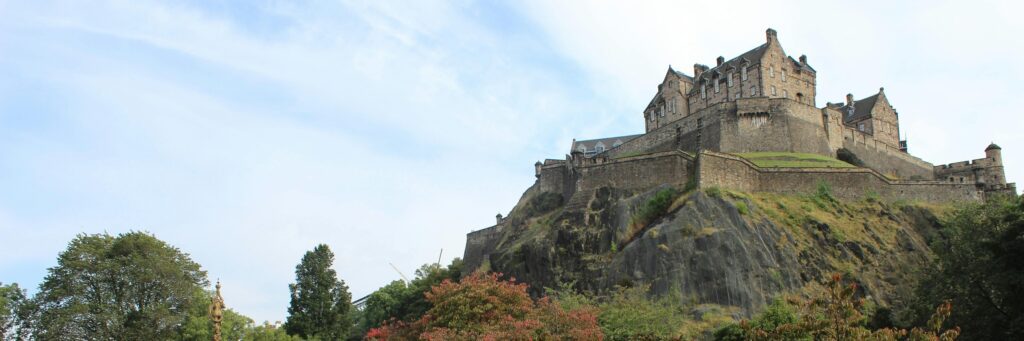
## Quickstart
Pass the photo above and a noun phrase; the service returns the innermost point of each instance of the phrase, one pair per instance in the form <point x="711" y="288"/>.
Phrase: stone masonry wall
<point x="478" y="243"/>
<point x="639" y="172"/>
<point x="884" y="158"/>
<point x="732" y="172"/>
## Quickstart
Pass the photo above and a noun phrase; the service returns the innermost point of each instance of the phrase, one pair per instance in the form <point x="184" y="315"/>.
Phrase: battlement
<point x="984" y="162"/>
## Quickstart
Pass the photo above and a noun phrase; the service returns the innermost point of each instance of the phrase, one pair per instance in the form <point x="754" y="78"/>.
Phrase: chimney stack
<point x="771" y="35"/>
<point x="698" y="69"/>
<point x="721" y="60"/>
<point x="849" y="99"/>
<point x="803" y="59"/>
<point x="499" y="218"/>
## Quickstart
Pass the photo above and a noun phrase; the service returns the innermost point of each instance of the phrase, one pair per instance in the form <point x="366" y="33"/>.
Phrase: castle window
<point x="860" y="127"/>
<point x="717" y="87"/>
<point x="785" y="94"/>
<point x="773" y="90"/>
<point x="743" y="73"/>
<point x="736" y="96"/>
<point x="728" y="78"/>
<point x="753" y="91"/>
<point x="783" y="75"/>
<point x="771" y="71"/>
<point x="703" y="91"/>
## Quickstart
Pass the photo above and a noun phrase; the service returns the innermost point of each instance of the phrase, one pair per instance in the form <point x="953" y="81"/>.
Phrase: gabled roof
<point x="752" y="56"/>
<point x="861" y="109"/>
<point x="608" y="142"/>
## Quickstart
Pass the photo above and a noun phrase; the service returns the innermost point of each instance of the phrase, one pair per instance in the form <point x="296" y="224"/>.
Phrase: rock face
<point x="712" y="246"/>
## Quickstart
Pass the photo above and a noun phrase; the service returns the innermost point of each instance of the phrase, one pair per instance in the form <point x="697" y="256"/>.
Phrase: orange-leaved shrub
<point x="484" y="307"/>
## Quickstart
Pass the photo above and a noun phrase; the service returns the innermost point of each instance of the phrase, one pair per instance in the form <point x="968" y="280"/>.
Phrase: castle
<point x="699" y="127"/>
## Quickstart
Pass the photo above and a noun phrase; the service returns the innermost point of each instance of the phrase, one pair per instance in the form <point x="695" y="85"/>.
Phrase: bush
<point x="481" y="306"/>
<point x="543" y="203"/>
<point x="847" y="156"/>
<point x="654" y="208"/>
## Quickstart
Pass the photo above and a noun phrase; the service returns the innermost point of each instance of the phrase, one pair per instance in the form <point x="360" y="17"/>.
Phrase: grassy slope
<point x="793" y="160"/>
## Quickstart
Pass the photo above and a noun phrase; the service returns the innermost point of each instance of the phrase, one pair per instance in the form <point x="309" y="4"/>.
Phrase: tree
<point x="481" y="306"/>
<point x="132" y="286"/>
<point x="198" y="326"/>
<point x="834" y="314"/>
<point x="406" y="302"/>
<point x="980" y="267"/>
<point x="320" y="302"/>
<point x="11" y="299"/>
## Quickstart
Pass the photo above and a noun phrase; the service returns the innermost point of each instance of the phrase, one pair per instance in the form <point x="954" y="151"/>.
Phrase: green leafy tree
<point x="406" y="302"/>
<point x="199" y="326"/>
<point x="132" y="286"/>
<point x="269" y="332"/>
<point x="834" y="314"/>
<point x="980" y="267"/>
<point x="320" y="302"/>
<point x="11" y="299"/>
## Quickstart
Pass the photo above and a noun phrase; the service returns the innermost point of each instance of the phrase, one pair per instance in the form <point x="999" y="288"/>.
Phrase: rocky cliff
<point x="710" y="246"/>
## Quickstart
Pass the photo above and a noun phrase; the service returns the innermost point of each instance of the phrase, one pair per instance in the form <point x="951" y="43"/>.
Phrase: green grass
<point x="793" y="160"/>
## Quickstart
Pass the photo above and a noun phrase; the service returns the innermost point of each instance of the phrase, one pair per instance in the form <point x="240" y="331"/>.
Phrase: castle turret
<point x="994" y="152"/>
<point x="537" y="167"/>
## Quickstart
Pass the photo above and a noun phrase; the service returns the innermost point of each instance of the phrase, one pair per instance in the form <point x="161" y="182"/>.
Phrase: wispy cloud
<point x="245" y="133"/>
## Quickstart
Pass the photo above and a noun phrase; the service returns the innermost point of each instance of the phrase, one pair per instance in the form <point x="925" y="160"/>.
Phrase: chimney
<point x="803" y="59"/>
<point x="771" y="35"/>
<point x="881" y="90"/>
<point x="721" y="60"/>
<point x="499" y="218"/>
<point x="697" y="70"/>
<point x="849" y="99"/>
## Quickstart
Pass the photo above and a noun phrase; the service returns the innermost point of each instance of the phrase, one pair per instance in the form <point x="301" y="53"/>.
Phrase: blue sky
<point x="246" y="132"/>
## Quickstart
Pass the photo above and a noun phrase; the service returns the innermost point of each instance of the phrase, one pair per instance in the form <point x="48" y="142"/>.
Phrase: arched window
<point x="599" y="147"/>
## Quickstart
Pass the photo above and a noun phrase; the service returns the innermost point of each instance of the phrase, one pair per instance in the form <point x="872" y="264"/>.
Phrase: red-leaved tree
<point x="484" y="307"/>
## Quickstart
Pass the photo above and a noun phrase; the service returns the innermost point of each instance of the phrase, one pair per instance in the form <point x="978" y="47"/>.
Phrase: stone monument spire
<point x="217" y="313"/>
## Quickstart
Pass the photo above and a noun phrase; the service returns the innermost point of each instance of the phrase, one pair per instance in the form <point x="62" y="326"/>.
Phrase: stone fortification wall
<point x="479" y="243"/>
<point x="884" y="158"/>
<point x="732" y="172"/>
<point x="743" y="125"/>
<point x="637" y="172"/>
<point x="555" y="177"/>
<point x="685" y="134"/>
<point x="773" y="125"/>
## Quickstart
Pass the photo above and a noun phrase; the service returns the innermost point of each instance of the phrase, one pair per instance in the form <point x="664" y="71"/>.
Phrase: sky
<point x="247" y="132"/>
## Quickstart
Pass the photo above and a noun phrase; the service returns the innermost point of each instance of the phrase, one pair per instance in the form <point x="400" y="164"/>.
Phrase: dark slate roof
<point x="861" y="109"/>
<point x="752" y="56"/>
<point x="681" y="75"/>
<point x="992" y="146"/>
<point x="609" y="142"/>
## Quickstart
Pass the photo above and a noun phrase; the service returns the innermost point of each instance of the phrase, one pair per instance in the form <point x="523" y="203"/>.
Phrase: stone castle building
<point x="765" y="101"/>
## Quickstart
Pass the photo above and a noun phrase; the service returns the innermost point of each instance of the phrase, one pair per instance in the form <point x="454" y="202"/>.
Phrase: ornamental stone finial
<point x="217" y="312"/>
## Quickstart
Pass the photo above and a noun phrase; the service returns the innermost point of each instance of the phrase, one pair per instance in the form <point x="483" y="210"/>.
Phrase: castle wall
<point x="736" y="173"/>
<point x="479" y="243"/>
<point x="639" y="172"/>
<point x="884" y="158"/>
<point x="555" y="178"/>
<point x="778" y="125"/>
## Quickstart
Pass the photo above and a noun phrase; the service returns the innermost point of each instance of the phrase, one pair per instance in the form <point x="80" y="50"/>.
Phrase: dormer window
<point x="743" y="73"/>
<point x="728" y="78"/>
<point x="717" y="87"/>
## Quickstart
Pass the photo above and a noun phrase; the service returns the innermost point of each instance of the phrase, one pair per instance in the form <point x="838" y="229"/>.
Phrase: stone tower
<point x="995" y="174"/>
